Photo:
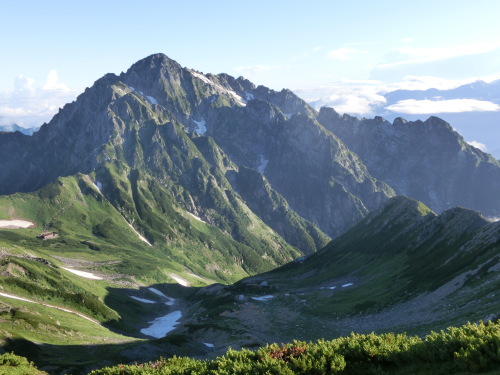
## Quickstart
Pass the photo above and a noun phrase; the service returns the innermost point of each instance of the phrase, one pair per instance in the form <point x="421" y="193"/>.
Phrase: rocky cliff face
<point x="190" y="132"/>
<point x="426" y="160"/>
<point x="146" y="118"/>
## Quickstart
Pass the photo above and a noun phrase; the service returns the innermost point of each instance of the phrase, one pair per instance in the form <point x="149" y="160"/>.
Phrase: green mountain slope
<point x="402" y="268"/>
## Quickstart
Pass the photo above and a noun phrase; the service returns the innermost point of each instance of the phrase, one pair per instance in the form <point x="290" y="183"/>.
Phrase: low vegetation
<point x="471" y="348"/>
<point x="11" y="364"/>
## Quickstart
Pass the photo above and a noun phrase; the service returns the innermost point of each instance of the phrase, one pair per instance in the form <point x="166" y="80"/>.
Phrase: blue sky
<point x="345" y="53"/>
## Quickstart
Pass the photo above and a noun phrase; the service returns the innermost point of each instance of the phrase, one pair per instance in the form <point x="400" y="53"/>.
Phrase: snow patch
<point x="163" y="325"/>
<point x="143" y="300"/>
<point x="156" y="291"/>
<point x="249" y="96"/>
<point x="492" y="218"/>
<point x="262" y="298"/>
<point x="346" y="285"/>
<point x="263" y="164"/>
<point x="15" y="297"/>
<point x="200" y="126"/>
<point x="131" y="88"/>
<point x="219" y="88"/>
<point x="15" y="224"/>
<point x="152" y="100"/>
<point x="170" y="302"/>
<point x="87" y="275"/>
<point x="198" y="277"/>
<point x="51" y="306"/>
<point x="208" y="345"/>
<point x="179" y="280"/>
<point x="142" y="238"/>
<point x="97" y="185"/>
<point x="202" y="77"/>
<point x="197" y="218"/>
<point x="288" y="115"/>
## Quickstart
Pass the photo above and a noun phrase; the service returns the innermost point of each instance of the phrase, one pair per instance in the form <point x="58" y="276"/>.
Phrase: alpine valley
<point x="170" y="212"/>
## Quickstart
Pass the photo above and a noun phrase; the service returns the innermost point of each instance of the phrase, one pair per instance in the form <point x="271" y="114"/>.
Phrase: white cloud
<point x="428" y="82"/>
<point x="414" y="55"/>
<point x="24" y="85"/>
<point x="345" y="53"/>
<point x="414" y="107"/>
<point x="356" y="99"/>
<point x="365" y="97"/>
<point x="53" y="83"/>
<point x="479" y="145"/>
<point x="28" y="105"/>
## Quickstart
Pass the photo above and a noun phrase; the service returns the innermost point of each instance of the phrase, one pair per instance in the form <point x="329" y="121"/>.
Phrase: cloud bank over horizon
<point x="29" y="105"/>
<point x="427" y="107"/>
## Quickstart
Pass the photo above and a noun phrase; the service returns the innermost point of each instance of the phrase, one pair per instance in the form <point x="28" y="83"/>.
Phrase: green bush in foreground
<point x="472" y="348"/>
<point x="11" y="364"/>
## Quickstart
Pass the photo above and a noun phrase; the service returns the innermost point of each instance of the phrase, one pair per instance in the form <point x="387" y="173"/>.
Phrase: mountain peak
<point x="155" y="60"/>
<point x="399" y="206"/>
<point x="159" y="63"/>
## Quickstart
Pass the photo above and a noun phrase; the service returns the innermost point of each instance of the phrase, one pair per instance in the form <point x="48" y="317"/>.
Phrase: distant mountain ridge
<point x="16" y="128"/>
<point x="427" y="160"/>
<point x="478" y="90"/>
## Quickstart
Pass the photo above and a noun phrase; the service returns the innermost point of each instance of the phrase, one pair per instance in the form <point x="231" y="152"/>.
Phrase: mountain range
<point x="163" y="176"/>
<point x="16" y="128"/>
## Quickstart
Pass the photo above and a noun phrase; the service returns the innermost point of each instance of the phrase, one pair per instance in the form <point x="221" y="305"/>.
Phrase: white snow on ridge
<point x="202" y="77"/>
<point x="236" y="97"/>
<point x="162" y="325"/>
<point x="143" y="300"/>
<point x="220" y="88"/>
<point x="346" y="285"/>
<point x="87" y="275"/>
<point x="151" y="99"/>
<point x="200" y="126"/>
<point x="263" y="164"/>
<point x="15" y="224"/>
